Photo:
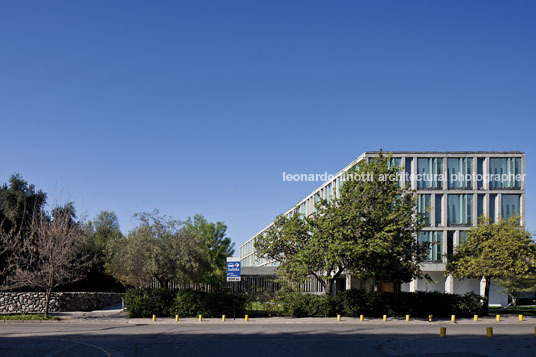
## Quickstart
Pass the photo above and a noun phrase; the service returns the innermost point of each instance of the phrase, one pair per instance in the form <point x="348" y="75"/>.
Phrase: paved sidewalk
<point x="115" y="314"/>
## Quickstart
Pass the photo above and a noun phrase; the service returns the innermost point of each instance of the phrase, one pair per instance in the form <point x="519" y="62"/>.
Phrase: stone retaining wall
<point x="34" y="302"/>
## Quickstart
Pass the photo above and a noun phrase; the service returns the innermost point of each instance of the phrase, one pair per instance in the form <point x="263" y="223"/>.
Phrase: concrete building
<point x="455" y="188"/>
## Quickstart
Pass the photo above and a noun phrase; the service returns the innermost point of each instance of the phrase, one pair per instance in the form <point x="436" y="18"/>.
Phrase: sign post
<point x="233" y="275"/>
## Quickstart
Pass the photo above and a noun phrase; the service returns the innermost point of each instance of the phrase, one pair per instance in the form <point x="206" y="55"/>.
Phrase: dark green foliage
<point x="216" y="246"/>
<point x="189" y="303"/>
<point x="503" y="250"/>
<point x="20" y="203"/>
<point x="375" y="304"/>
<point x="185" y="303"/>
<point x="418" y="304"/>
<point x="368" y="230"/>
<point x="148" y="302"/>
<point x="306" y="305"/>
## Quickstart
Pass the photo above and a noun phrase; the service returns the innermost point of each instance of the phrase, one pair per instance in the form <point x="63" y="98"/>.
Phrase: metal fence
<point x="249" y="284"/>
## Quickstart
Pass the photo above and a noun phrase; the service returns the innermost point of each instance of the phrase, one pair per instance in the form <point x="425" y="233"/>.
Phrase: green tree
<point x="378" y="222"/>
<point x="100" y="231"/>
<point x="158" y="248"/>
<point x="20" y="205"/>
<point x="302" y="249"/>
<point x="502" y="250"/>
<point x="513" y="287"/>
<point x="216" y="245"/>
<point x="370" y="230"/>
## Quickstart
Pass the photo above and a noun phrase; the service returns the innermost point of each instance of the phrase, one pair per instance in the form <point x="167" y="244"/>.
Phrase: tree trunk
<point x="485" y="299"/>
<point x="328" y="287"/>
<point x="47" y="301"/>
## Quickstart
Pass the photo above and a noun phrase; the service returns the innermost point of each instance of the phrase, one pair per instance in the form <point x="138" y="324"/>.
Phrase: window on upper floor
<point x="435" y="241"/>
<point x="480" y="172"/>
<point x="424" y="204"/>
<point x="396" y="162"/>
<point x="438" y="210"/>
<point x="505" y="172"/>
<point x="460" y="209"/>
<point x="450" y="244"/>
<point x="430" y="173"/>
<point x="510" y="205"/>
<point x="328" y="192"/>
<point x="492" y="207"/>
<point x="460" y="171"/>
<point x="407" y="170"/>
<point x="480" y="206"/>
<point x="463" y="237"/>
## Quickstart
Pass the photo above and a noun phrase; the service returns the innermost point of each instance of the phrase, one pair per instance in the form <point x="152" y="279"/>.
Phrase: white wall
<point x="437" y="285"/>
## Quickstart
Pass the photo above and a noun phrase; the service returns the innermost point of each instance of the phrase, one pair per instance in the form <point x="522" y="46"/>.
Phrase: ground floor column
<point x="413" y="285"/>
<point x="449" y="284"/>
<point x="483" y="286"/>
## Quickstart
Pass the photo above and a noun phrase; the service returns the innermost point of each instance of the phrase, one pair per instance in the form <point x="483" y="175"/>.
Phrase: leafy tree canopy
<point x="20" y="203"/>
<point x="158" y="248"/>
<point x="214" y="242"/>
<point x="502" y="250"/>
<point x="369" y="230"/>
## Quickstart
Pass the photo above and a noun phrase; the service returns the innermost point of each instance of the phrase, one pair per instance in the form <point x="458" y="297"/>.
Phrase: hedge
<point x="185" y="303"/>
<point x="376" y="304"/>
<point x="307" y="305"/>
<point x="418" y="304"/>
<point x="188" y="303"/>
<point x="148" y="302"/>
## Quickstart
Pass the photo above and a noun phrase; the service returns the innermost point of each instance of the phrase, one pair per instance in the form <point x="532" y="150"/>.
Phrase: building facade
<point x="453" y="190"/>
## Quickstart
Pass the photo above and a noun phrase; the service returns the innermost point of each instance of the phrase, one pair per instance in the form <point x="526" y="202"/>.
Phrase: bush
<point x="418" y="304"/>
<point x="306" y="305"/>
<point x="148" y="302"/>
<point x="185" y="303"/>
<point x="470" y="304"/>
<point x="375" y="304"/>
<point x="190" y="303"/>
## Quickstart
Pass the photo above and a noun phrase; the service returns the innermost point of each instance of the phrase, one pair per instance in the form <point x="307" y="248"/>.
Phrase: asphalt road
<point x="257" y="339"/>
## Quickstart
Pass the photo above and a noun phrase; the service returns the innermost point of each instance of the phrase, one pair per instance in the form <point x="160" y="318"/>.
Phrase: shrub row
<point x="185" y="303"/>
<point x="188" y="303"/>
<point x="376" y="304"/>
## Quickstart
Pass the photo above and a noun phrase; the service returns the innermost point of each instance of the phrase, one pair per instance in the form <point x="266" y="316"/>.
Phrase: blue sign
<point x="233" y="270"/>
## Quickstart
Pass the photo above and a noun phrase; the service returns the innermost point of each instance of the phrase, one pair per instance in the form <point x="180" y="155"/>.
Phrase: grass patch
<point x="523" y="310"/>
<point x="264" y="309"/>
<point x="28" y="317"/>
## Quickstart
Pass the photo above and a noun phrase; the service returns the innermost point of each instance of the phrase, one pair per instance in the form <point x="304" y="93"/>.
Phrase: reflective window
<point x="434" y="239"/>
<point x="460" y="171"/>
<point x="423" y="208"/>
<point x="480" y="206"/>
<point x="463" y="236"/>
<point x="492" y="206"/>
<point x="460" y="209"/>
<point x="407" y="170"/>
<point x="439" y="210"/>
<point x="510" y="205"/>
<point x="429" y="173"/>
<point x="450" y="243"/>
<point x="503" y="171"/>
<point x="328" y="192"/>
<point x="479" y="172"/>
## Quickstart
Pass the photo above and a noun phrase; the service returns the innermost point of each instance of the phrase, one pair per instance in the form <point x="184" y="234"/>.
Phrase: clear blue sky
<point x="198" y="107"/>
